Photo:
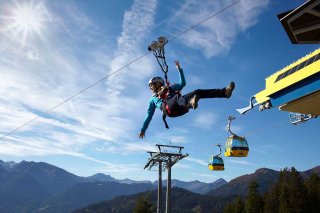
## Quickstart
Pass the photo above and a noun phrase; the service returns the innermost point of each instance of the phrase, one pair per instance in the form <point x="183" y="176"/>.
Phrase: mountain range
<point x="182" y="201"/>
<point x="41" y="187"/>
<point x="38" y="186"/>
<point x="185" y="201"/>
<point x="264" y="177"/>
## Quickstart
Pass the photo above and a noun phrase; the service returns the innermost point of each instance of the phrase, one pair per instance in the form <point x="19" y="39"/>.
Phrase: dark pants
<point x="206" y="93"/>
<point x="179" y="105"/>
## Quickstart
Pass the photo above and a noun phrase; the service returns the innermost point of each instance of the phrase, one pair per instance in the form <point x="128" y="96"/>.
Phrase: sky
<point x="53" y="55"/>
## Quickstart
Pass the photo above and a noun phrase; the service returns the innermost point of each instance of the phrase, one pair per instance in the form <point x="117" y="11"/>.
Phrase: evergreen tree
<point x="313" y="193"/>
<point x="271" y="200"/>
<point x="283" y="177"/>
<point x="284" y="200"/>
<point x="253" y="202"/>
<point x="267" y="203"/>
<point x="197" y="209"/>
<point x="144" y="205"/>
<point x="239" y="206"/>
<point x="297" y="192"/>
<point x="289" y="194"/>
<point x="229" y="208"/>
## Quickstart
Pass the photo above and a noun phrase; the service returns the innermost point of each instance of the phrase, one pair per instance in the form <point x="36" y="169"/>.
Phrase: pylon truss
<point x="168" y="155"/>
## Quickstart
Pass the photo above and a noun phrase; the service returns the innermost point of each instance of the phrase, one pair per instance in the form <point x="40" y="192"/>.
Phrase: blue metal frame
<point x="296" y="91"/>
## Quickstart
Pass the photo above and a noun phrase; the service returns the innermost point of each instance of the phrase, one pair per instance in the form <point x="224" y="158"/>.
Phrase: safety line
<point x="118" y="70"/>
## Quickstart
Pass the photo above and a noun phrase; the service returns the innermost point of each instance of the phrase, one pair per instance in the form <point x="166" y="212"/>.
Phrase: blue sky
<point x="51" y="50"/>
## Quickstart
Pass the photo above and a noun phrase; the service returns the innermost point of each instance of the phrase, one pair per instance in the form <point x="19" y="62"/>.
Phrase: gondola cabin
<point x="236" y="146"/>
<point x="216" y="163"/>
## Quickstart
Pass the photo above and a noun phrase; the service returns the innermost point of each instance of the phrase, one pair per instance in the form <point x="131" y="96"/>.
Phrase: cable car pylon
<point x="165" y="158"/>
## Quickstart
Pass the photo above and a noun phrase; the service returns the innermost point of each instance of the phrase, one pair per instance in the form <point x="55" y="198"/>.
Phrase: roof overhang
<point x="303" y="23"/>
<point x="306" y="105"/>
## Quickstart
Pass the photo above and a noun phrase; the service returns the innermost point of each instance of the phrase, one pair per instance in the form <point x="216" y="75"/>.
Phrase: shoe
<point x="194" y="101"/>
<point x="229" y="89"/>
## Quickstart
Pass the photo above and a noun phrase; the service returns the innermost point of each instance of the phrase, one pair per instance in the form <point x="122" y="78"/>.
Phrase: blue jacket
<point x="156" y="102"/>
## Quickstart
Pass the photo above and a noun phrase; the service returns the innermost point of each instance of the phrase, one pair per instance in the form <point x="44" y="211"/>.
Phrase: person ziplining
<point x="168" y="98"/>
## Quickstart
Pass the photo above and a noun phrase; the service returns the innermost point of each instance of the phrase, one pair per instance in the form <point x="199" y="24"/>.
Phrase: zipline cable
<point x="116" y="71"/>
<point x="71" y="97"/>
<point x="204" y="20"/>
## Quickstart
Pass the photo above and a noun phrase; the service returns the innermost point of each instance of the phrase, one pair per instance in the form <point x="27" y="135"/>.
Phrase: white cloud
<point x="195" y="80"/>
<point x="136" y="23"/>
<point x="139" y="147"/>
<point x="199" y="161"/>
<point x="216" y="35"/>
<point x="265" y="149"/>
<point x="182" y="166"/>
<point x="127" y="168"/>
<point x="178" y="139"/>
<point x="241" y="162"/>
<point x="175" y="137"/>
<point x="204" y="175"/>
<point x="45" y="73"/>
<point x="205" y="120"/>
<point x="40" y="147"/>
<point x="33" y="55"/>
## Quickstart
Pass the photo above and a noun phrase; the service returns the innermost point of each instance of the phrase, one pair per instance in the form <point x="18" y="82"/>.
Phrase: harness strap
<point x="164" y="119"/>
<point x="166" y="79"/>
<point x="165" y="107"/>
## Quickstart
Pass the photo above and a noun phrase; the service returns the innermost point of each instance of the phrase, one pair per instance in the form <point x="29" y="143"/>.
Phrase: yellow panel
<point x="262" y="96"/>
<point x="309" y="104"/>
<point x="240" y="153"/>
<point x="236" y="153"/>
<point x="293" y="78"/>
<point x="216" y="168"/>
<point x="272" y="86"/>
<point x="228" y="152"/>
<point x="274" y="76"/>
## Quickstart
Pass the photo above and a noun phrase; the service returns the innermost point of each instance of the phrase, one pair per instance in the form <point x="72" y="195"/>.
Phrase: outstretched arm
<point x="177" y="64"/>
<point x="182" y="83"/>
<point x="147" y="119"/>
